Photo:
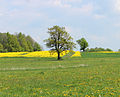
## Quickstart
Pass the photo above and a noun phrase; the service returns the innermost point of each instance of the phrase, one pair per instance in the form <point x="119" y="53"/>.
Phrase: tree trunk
<point x="83" y="50"/>
<point x="59" y="56"/>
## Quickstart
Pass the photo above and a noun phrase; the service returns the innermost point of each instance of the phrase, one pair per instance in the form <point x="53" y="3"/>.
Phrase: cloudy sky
<point x="96" y="20"/>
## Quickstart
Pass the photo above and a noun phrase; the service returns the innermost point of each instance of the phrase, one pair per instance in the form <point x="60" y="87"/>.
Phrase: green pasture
<point x="92" y="75"/>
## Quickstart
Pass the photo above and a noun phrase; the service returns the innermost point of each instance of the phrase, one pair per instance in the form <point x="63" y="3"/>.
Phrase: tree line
<point x="18" y="43"/>
<point x="58" y="41"/>
<point x="97" y="49"/>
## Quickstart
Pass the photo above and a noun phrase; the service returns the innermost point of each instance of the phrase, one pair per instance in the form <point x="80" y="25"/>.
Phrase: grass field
<point x="92" y="75"/>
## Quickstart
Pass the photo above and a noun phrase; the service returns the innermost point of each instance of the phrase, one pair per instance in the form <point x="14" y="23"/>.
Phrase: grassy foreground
<point x="73" y="77"/>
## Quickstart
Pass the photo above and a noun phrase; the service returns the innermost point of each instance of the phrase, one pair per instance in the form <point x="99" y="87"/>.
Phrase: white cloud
<point x="117" y="25"/>
<point x="58" y="3"/>
<point x="64" y="5"/>
<point x="88" y="8"/>
<point x="74" y="10"/>
<point x="76" y="32"/>
<point x="117" y="5"/>
<point x="97" y="40"/>
<point x="18" y="2"/>
<point x="99" y="16"/>
<point x="117" y="36"/>
<point x="73" y="0"/>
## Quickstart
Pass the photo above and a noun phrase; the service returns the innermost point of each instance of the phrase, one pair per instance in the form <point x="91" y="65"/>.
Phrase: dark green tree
<point x="3" y="40"/>
<point x="30" y="39"/>
<point x="108" y="49"/>
<point x="37" y="47"/>
<point x="12" y="43"/>
<point x="22" y="41"/>
<point x="26" y="43"/>
<point x="30" y="46"/>
<point x="82" y="43"/>
<point x="1" y="47"/>
<point x="59" y="40"/>
<point x="30" y="43"/>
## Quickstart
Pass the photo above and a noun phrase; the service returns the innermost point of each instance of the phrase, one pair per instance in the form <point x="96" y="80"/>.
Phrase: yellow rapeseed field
<point x="107" y="52"/>
<point x="77" y="53"/>
<point x="13" y="54"/>
<point x="37" y="54"/>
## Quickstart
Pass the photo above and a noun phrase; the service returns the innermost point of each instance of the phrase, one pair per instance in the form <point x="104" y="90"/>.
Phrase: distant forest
<point x="18" y="43"/>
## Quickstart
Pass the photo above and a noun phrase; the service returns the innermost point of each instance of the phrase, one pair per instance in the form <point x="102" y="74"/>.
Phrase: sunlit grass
<point x="92" y="75"/>
<point x="72" y="77"/>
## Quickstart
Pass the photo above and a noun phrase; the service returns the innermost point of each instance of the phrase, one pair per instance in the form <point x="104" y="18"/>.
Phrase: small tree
<point x="108" y="49"/>
<point x="83" y="44"/>
<point x="59" y="40"/>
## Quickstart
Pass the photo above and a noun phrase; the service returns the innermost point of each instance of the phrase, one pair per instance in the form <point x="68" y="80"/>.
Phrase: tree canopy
<point x="12" y="43"/>
<point x="59" y="40"/>
<point x="18" y="42"/>
<point x="82" y="43"/>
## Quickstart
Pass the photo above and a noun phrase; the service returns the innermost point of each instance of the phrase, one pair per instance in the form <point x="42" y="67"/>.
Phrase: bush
<point x="97" y="49"/>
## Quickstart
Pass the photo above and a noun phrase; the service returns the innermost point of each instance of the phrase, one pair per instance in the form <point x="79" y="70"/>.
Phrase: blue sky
<point x="96" y="20"/>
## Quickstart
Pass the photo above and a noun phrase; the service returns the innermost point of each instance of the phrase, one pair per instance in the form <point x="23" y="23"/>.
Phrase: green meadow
<point x="92" y="75"/>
